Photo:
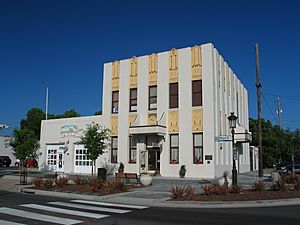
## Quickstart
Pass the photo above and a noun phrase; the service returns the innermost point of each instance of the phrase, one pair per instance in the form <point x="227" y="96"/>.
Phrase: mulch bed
<point x="85" y="189"/>
<point x="247" y="196"/>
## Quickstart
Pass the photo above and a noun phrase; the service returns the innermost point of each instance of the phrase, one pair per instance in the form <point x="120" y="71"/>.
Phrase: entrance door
<point x="55" y="158"/>
<point x="60" y="161"/>
<point x="153" y="160"/>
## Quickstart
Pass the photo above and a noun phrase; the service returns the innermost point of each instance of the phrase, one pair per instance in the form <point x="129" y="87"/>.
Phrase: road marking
<point x="38" y="216"/>
<point x="110" y="204"/>
<point x="4" y="222"/>
<point x="65" y="211"/>
<point x="79" y="206"/>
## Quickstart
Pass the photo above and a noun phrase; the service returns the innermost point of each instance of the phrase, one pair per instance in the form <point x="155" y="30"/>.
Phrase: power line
<point x="282" y="96"/>
<point x="269" y="107"/>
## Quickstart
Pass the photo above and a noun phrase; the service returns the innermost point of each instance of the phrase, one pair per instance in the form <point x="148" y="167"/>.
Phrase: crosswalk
<point x="63" y="211"/>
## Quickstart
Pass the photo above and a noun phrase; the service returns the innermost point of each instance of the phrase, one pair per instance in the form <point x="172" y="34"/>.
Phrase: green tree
<point x="70" y="113"/>
<point x="95" y="139"/>
<point x="24" y="144"/>
<point x="32" y="122"/>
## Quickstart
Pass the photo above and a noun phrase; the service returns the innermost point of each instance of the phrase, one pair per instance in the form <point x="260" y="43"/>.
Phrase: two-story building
<point x="164" y="110"/>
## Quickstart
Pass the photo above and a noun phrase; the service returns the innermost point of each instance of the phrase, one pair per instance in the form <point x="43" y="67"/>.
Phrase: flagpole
<point x="47" y="102"/>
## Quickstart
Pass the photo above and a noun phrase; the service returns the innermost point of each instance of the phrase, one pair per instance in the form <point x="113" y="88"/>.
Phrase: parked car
<point x="287" y="167"/>
<point x="5" y="161"/>
<point x="30" y="162"/>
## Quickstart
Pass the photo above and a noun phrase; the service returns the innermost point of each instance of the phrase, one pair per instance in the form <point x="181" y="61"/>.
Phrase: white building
<point x="164" y="110"/>
<point x="6" y="149"/>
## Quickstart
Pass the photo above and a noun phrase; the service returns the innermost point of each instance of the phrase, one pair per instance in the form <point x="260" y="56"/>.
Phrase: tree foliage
<point x="277" y="144"/>
<point x="24" y="144"/>
<point x="95" y="139"/>
<point x="33" y="120"/>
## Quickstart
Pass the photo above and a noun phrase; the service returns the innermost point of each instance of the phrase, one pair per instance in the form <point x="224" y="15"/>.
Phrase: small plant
<point x="114" y="185"/>
<point x="221" y="189"/>
<point x="61" y="181"/>
<point x="78" y="179"/>
<point x="182" y="171"/>
<point x="236" y="190"/>
<point x="208" y="189"/>
<point x="48" y="183"/>
<point x="95" y="184"/>
<point x="259" y="186"/>
<point x="297" y="185"/>
<point x="225" y="175"/>
<point x="37" y="182"/>
<point x="121" y="168"/>
<point x="182" y="193"/>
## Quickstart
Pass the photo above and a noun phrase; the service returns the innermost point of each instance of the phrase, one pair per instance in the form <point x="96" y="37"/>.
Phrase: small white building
<point x="164" y="110"/>
<point x="6" y="149"/>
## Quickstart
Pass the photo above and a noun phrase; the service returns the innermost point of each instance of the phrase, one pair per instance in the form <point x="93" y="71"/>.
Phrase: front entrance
<point x="154" y="160"/>
<point x="55" y="158"/>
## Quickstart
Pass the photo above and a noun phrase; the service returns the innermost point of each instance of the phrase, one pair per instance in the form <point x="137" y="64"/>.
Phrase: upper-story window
<point x="133" y="100"/>
<point x="115" y="102"/>
<point x="197" y="93"/>
<point x="173" y="92"/>
<point x="152" y="97"/>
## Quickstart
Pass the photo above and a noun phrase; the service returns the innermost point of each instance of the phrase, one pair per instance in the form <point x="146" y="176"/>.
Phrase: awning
<point x="148" y="129"/>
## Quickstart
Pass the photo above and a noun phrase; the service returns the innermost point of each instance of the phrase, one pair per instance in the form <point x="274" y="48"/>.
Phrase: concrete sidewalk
<point x="157" y="195"/>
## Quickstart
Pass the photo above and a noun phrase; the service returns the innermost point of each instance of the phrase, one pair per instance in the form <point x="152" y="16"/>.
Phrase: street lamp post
<point x="232" y="124"/>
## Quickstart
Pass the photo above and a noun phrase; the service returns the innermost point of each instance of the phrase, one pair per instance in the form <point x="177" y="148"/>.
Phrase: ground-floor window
<point x="52" y="156"/>
<point x="114" y="149"/>
<point x="174" y="148"/>
<point x="132" y="149"/>
<point x="81" y="158"/>
<point x="198" y="148"/>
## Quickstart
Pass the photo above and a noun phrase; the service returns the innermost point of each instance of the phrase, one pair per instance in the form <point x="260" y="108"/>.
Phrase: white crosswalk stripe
<point x="60" y="207"/>
<point x="79" y="206"/>
<point x="65" y="211"/>
<point x="110" y="204"/>
<point x="4" y="222"/>
<point x="37" y="216"/>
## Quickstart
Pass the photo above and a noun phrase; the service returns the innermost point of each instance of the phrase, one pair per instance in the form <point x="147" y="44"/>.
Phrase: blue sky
<point x="65" y="43"/>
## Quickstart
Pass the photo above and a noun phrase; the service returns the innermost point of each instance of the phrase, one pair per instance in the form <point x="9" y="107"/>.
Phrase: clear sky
<point x="65" y="42"/>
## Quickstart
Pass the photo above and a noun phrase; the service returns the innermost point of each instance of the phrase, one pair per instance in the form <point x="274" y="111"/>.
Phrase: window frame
<point x="173" y="95"/>
<point x="112" y="160"/>
<point x="152" y="97"/>
<point x="114" y="101"/>
<point x="132" y="99"/>
<point x="172" y="160"/>
<point x="197" y="161"/>
<point x="195" y="93"/>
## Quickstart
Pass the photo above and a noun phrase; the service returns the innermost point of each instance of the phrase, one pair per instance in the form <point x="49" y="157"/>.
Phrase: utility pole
<point x="258" y="87"/>
<point x="47" y="102"/>
<point x="278" y="111"/>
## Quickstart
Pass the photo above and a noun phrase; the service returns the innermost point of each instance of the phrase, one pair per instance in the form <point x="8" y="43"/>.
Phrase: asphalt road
<point x="14" y="207"/>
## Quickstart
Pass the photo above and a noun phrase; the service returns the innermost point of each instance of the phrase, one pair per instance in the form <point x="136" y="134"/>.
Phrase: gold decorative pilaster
<point x="197" y="120"/>
<point x="153" y="68"/>
<point x="173" y="123"/>
<point x="133" y="72"/>
<point x="114" y="125"/>
<point x="196" y="61"/>
<point x="115" y="75"/>
<point x="131" y="119"/>
<point x="173" y="66"/>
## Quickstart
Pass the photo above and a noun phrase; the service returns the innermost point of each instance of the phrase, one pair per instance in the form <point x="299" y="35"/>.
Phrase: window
<point x="115" y="102"/>
<point x="174" y="148"/>
<point x="114" y="149"/>
<point x="152" y="97"/>
<point x="133" y="100"/>
<point x="198" y="148"/>
<point x="173" y="101"/>
<point x="197" y="93"/>
<point x="132" y="149"/>
<point x="81" y="158"/>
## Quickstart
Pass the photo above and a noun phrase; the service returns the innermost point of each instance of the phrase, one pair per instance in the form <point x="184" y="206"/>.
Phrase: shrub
<point x="48" y="183"/>
<point x="182" y="171"/>
<point x="95" y="184"/>
<point x="121" y="168"/>
<point x="208" y="189"/>
<point x="78" y="179"/>
<point x="114" y="185"/>
<point x="220" y="189"/>
<point x="61" y="181"/>
<point x="297" y="185"/>
<point x="259" y="186"/>
<point x="37" y="182"/>
<point x="236" y="190"/>
<point x="182" y="193"/>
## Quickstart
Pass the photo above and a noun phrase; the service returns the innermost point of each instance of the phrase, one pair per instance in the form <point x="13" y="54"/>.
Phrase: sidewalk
<point x="157" y="195"/>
